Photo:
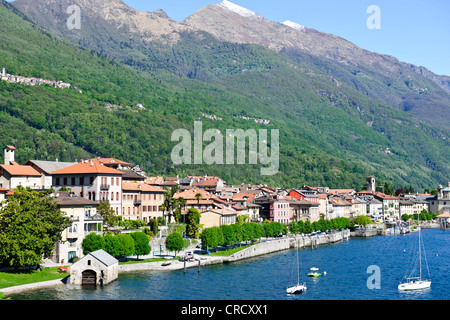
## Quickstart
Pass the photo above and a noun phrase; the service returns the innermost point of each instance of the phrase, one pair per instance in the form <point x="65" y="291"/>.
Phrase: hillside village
<point x="81" y="186"/>
<point x="31" y="81"/>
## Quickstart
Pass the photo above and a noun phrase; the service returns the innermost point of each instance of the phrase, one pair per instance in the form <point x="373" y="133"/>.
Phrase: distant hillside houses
<point x="257" y="120"/>
<point x="32" y="81"/>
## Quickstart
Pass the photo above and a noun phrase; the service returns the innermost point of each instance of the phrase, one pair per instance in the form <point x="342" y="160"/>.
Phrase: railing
<point x="104" y="187"/>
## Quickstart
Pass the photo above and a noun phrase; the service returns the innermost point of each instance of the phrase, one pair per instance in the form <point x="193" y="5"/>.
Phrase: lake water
<point x="266" y="278"/>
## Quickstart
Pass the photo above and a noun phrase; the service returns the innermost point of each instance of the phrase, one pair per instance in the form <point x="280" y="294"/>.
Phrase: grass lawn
<point x="229" y="252"/>
<point x="11" y="279"/>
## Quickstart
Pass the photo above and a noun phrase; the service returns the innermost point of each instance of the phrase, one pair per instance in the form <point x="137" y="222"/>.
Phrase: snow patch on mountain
<point x="239" y="10"/>
<point x="294" y="25"/>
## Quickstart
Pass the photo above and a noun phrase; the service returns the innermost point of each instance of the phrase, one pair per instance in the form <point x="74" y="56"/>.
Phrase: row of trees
<point x="120" y="246"/>
<point x="228" y="235"/>
<point x="423" y="216"/>
<point x="321" y="225"/>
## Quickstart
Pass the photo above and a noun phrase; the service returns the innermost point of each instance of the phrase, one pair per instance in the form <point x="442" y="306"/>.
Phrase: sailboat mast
<point x="420" y="253"/>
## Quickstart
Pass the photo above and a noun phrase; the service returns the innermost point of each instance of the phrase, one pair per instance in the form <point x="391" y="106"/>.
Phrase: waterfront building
<point x="218" y="217"/>
<point x="96" y="268"/>
<point x="303" y="210"/>
<point x="84" y="217"/>
<point x="93" y="181"/>
<point x="141" y="201"/>
<point x="341" y="207"/>
<point x="305" y="194"/>
<point x="406" y="207"/>
<point x="390" y="207"/>
<point x="441" y="202"/>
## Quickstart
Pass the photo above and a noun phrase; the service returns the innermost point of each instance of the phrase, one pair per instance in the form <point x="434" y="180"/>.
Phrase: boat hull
<point x="296" y="289"/>
<point x="313" y="275"/>
<point x="414" y="285"/>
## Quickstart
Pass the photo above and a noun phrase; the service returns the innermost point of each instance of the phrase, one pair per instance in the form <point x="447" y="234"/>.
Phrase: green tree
<point x="193" y="220"/>
<point x="361" y="220"/>
<point x="229" y="237"/>
<point x="174" y="242"/>
<point x="30" y="226"/>
<point x="141" y="243"/>
<point x="154" y="226"/>
<point x="112" y="245"/>
<point x="108" y="214"/>
<point x="126" y="245"/>
<point x="92" y="242"/>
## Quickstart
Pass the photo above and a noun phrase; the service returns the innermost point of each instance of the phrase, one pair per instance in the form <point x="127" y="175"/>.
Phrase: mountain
<point x="382" y="77"/>
<point x="330" y="133"/>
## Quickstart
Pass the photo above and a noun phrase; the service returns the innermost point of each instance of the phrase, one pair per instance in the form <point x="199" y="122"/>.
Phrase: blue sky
<point x="413" y="31"/>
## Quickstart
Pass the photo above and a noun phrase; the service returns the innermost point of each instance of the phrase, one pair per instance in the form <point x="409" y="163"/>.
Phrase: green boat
<point x="314" y="272"/>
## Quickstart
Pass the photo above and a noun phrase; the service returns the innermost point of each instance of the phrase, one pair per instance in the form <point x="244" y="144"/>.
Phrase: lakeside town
<point x="80" y="187"/>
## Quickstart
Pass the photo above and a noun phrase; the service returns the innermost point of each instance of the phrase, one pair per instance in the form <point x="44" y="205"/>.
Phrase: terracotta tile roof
<point x="110" y="161"/>
<point x="134" y="186"/>
<point x="154" y="180"/>
<point x="242" y="196"/>
<point x="18" y="170"/>
<point x="8" y="192"/>
<point x="190" y="194"/>
<point x="10" y="147"/>
<point x="86" y="168"/>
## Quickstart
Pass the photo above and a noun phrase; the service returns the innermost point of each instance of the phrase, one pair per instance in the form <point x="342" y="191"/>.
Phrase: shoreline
<point x="259" y="249"/>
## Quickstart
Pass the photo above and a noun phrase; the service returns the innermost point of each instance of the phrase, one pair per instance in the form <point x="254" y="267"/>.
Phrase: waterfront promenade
<point x="264" y="247"/>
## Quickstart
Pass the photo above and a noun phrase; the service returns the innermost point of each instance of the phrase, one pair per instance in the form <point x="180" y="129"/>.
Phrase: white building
<point x="13" y="175"/>
<point x="93" y="181"/>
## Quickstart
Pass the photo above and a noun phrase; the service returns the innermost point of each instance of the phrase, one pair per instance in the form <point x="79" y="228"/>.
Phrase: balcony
<point x="137" y="203"/>
<point x="104" y="187"/>
<point x="97" y="218"/>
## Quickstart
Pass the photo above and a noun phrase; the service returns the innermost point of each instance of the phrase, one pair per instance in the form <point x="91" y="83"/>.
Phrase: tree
<point x="30" y="226"/>
<point x="92" y="242"/>
<point x="112" y="245"/>
<point x="108" y="214"/>
<point x="193" y="219"/>
<point x="182" y="202"/>
<point x="154" y="226"/>
<point x="229" y="238"/>
<point x="141" y="243"/>
<point x="126" y="247"/>
<point x="174" y="242"/>
<point x="362" y="220"/>
<point x="199" y="197"/>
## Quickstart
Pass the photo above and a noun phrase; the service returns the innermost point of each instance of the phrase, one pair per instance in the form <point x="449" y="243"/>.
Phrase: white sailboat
<point x="417" y="282"/>
<point x="298" y="288"/>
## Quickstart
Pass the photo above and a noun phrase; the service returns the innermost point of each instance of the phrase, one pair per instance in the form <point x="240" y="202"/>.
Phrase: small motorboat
<point x="314" y="272"/>
<point x="165" y="264"/>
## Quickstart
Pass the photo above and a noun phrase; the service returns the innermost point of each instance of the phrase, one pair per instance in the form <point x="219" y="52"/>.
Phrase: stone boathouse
<point x="96" y="268"/>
